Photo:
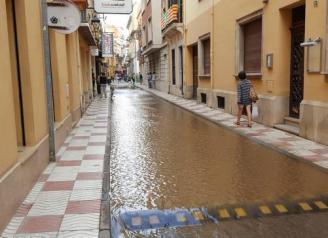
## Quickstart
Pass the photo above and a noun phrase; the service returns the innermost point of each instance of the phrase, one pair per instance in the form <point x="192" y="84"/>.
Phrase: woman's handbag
<point x="253" y="95"/>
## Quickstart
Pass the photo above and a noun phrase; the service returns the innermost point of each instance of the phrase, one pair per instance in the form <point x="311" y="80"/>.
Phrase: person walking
<point x="149" y="80"/>
<point x="93" y="84"/>
<point x="243" y="97"/>
<point x="103" y="85"/>
<point x="153" y="80"/>
<point x="140" y="78"/>
<point x="133" y="80"/>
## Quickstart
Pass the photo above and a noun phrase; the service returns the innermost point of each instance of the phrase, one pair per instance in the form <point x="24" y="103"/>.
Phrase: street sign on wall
<point x="113" y="6"/>
<point x="107" y="44"/>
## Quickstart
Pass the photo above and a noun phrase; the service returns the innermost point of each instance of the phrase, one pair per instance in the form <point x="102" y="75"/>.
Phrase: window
<point x="149" y="31"/>
<point x="249" y="45"/>
<point x="144" y="36"/>
<point x="203" y="98"/>
<point x="181" y="66"/>
<point x="173" y="68"/>
<point x="221" y="102"/>
<point x="207" y="56"/>
<point x="204" y="57"/>
<point x="253" y="46"/>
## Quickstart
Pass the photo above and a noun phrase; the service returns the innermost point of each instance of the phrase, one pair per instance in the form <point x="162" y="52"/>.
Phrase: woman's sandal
<point x="249" y="125"/>
<point x="237" y="123"/>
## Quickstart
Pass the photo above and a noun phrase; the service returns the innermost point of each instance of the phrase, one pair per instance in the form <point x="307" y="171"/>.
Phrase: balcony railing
<point x="172" y="15"/>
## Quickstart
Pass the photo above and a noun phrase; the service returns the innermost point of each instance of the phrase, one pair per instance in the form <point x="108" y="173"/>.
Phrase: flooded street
<point x="163" y="157"/>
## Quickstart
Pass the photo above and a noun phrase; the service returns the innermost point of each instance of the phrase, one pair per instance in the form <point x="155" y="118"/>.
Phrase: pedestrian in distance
<point x="149" y="80"/>
<point x="140" y="78"/>
<point x="245" y="97"/>
<point x="103" y="85"/>
<point x="112" y="89"/>
<point x="133" y="80"/>
<point x="98" y="86"/>
<point x="153" y="80"/>
<point x="93" y="84"/>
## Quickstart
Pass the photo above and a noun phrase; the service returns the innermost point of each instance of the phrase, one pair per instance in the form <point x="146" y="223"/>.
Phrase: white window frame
<point x="201" y="66"/>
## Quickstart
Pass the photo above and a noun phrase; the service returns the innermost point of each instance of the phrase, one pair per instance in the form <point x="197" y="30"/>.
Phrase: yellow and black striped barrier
<point x="157" y="219"/>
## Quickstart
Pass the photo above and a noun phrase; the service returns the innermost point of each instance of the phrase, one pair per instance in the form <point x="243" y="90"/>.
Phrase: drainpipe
<point x="212" y="55"/>
<point x="48" y="81"/>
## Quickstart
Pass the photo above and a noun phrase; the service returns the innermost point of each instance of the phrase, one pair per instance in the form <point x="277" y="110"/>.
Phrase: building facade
<point x="24" y="149"/>
<point x="173" y="35"/>
<point x="198" y="51"/>
<point x="282" y="45"/>
<point x="133" y="56"/>
<point x="154" y="51"/>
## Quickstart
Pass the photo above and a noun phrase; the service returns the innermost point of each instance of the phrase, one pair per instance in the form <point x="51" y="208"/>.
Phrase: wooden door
<point x="195" y="70"/>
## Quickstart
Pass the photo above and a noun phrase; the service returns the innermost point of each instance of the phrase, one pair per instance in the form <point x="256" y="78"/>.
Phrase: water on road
<point x="163" y="157"/>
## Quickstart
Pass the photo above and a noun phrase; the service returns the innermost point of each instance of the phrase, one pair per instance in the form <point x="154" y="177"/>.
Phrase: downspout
<point x="48" y="81"/>
<point x="212" y="53"/>
<point x="184" y="49"/>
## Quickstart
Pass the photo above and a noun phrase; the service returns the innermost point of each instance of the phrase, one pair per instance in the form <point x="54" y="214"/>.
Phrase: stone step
<point x="292" y="121"/>
<point x="288" y="128"/>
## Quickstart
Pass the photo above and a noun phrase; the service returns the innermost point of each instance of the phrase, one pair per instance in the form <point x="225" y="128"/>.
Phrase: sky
<point x="119" y="20"/>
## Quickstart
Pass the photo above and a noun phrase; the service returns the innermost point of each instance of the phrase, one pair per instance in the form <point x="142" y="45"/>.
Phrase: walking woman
<point x="243" y="97"/>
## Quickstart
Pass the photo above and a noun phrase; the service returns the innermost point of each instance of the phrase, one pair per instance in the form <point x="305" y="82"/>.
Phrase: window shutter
<point x="253" y="46"/>
<point x="207" y="56"/>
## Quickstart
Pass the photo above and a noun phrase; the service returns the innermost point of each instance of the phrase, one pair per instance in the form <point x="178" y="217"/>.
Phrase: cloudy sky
<point x="118" y="20"/>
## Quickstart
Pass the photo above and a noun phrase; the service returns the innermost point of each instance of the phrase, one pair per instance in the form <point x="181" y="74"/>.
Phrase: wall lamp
<point x="311" y="42"/>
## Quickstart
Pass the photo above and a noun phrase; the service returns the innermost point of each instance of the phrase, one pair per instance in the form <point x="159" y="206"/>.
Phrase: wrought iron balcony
<point x="171" y="16"/>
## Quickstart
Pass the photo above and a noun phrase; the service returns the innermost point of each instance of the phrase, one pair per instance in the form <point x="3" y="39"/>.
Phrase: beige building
<point x="263" y="38"/>
<point x="133" y="41"/>
<point x="173" y="35"/>
<point x="24" y="140"/>
<point x="154" y="51"/>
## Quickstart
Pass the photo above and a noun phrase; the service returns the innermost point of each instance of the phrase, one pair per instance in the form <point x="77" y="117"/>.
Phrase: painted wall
<point x="32" y="69"/>
<point x="60" y="75"/>
<point x="198" y="22"/>
<point x="276" y="40"/>
<point x="8" y="146"/>
<point x="316" y="86"/>
<point x="73" y="47"/>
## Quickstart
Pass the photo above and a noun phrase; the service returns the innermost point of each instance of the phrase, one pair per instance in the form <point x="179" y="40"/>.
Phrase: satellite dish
<point x="63" y="16"/>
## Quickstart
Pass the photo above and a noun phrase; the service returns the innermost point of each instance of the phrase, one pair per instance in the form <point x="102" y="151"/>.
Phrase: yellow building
<point x="198" y="32"/>
<point x="263" y="38"/>
<point x="24" y="140"/>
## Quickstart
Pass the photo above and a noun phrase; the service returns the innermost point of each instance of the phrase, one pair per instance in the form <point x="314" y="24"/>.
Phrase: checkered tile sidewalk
<point x="289" y="144"/>
<point x="65" y="202"/>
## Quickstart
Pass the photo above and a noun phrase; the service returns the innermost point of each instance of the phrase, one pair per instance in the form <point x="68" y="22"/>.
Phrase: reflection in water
<point x="163" y="157"/>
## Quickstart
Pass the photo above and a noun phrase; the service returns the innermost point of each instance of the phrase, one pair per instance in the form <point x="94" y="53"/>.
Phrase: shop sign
<point x="107" y="44"/>
<point x="113" y="6"/>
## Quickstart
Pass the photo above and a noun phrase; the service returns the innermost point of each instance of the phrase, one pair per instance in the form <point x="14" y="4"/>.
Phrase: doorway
<point x="297" y="61"/>
<point x="195" y="70"/>
<point x="181" y="68"/>
<point x="16" y="72"/>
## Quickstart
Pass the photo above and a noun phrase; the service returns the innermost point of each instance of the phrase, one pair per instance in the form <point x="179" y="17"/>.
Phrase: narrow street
<point x="164" y="119"/>
<point x="158" y="166"/>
